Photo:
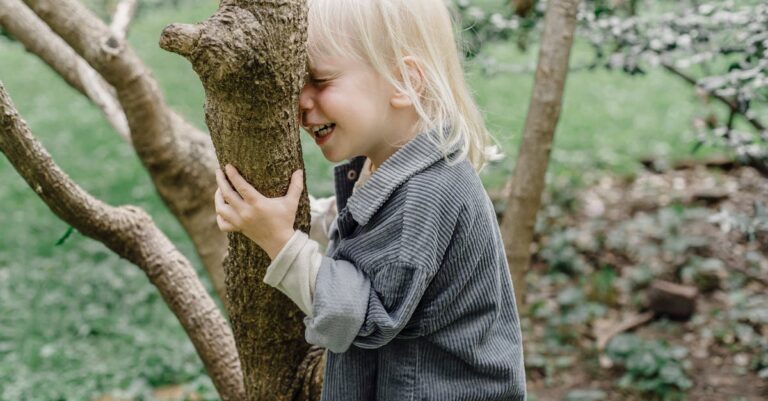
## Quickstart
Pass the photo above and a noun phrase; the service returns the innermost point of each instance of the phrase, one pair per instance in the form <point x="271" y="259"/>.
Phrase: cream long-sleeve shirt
<point x="294" y="270"/>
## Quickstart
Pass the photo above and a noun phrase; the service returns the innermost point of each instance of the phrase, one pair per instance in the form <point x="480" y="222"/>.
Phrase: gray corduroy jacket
<point x="414" y="298"/>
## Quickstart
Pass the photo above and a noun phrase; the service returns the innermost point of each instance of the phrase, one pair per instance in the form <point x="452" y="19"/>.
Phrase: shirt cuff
<point x="282" y="262"/>
<point x="294" y="270"/>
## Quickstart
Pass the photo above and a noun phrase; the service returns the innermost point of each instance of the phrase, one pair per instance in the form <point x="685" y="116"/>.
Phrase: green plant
<point x="749" y="226"/>
<point x="760" y="362"/>
<point x="651" y="367"/>
<point x="707" y="274"/>
<point x="559" y="253"/>
<point x="602" y="286"/>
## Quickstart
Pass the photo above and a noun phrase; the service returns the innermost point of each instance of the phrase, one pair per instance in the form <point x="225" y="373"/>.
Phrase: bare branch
<point x="180" y="38"/>
<point x="124" y="13"/>
<point x="179" y="157"/>
<point x="37" y="38"/>
<point x="734" y="108"/>
<point x="131" y="233"/>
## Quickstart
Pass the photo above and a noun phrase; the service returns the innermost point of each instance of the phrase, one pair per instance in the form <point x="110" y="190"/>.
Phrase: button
<point x="351" y="175"/>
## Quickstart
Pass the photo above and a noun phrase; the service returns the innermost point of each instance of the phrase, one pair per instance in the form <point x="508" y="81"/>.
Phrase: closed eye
<point x="319" y="81"/>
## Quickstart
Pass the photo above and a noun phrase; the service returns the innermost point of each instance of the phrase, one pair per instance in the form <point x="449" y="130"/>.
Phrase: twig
<point x="732" y="105"/>
<point x="630" y="323"/>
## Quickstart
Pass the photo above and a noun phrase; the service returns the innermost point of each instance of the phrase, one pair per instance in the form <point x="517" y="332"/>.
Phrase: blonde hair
<point x="382" y="33"/>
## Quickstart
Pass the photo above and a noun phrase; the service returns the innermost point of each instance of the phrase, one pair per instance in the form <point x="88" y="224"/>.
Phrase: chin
<point x="334" y="157"/>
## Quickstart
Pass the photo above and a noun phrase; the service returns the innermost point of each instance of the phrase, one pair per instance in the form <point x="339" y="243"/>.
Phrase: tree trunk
<point x="251" y="58"/>
<point x="528" y="180"/>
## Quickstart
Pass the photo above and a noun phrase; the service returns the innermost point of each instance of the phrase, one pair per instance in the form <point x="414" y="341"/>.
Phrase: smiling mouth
<point x="320" y="131"/>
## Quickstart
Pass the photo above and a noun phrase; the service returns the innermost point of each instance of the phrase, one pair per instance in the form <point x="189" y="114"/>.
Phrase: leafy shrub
<point x="651" y="367"/>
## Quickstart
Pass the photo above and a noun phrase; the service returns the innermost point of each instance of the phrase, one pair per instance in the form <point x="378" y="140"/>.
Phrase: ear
<point x="414" y="76"/>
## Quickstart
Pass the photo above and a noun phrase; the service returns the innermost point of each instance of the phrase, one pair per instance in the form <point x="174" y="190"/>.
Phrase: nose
<point x="306" y="100"/>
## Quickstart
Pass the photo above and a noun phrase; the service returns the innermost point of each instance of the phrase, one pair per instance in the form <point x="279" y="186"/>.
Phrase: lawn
<point x="76" y="321"/>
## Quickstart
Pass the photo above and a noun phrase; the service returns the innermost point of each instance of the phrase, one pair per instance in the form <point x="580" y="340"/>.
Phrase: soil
<point x="721" y="366"/>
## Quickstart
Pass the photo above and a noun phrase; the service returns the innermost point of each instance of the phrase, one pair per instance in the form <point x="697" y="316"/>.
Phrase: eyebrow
<point x="323" y="75"/>
<point x="319" y="71"/>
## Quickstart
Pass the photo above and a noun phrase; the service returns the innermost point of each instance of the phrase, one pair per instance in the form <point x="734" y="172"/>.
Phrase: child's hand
<point x="266" y="221"/>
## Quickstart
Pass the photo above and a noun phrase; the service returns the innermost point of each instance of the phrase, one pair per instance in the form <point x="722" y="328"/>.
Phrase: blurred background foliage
<point x="76" y="322"/>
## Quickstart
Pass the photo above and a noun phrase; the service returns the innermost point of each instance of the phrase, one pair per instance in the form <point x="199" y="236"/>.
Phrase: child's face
<point x="349" y="102"/>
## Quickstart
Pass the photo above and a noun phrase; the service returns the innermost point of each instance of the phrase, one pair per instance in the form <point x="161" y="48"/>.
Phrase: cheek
<point x="325" y="97"/>
<point x="339" y="104"/>
<point x="329" y="99"/>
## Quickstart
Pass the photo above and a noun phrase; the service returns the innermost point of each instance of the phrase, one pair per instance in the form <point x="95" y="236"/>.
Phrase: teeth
<point x="323" y="130"/>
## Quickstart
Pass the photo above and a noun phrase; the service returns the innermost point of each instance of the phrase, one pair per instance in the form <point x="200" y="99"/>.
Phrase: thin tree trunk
<point x="179" y="157"/>
<point x="250" y="56"/>
<point x="528" y="180"/>
<point x="130" y="233"/>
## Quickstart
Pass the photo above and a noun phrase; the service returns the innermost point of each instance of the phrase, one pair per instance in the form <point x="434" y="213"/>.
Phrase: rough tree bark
<point x="251" y="58"/>
<point x="528" y="179"/>
<point x="130" y="233"/>
<point x="179" y="157"/>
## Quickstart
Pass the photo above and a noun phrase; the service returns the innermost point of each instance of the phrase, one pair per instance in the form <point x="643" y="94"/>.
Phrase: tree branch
<point x="130" y="233"/>
<point x="37" y="38"/>
<point x="124" y="13"/>
<point x="179" y="157"/>
<point x="180" y="39"/>
<point x="732" y="105"/>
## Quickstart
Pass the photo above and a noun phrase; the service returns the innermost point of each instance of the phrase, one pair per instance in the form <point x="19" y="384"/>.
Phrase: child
<point x="413" y="298"/>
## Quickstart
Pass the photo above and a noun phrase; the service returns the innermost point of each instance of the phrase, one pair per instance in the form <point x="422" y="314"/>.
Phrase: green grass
<point x="608" y="120"/>
<point x="76" y="321"/>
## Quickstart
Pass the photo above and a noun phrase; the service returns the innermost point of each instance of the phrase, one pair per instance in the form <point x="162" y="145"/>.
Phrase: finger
<point x="218" y="200"/>
<point x="224" y="210"/>
<point x="224" y="225"/>
<point x="229" y="214"/>
<point x="241" y="185"/>
<point x="297" y="185"/>
<point x="228" y="193"/>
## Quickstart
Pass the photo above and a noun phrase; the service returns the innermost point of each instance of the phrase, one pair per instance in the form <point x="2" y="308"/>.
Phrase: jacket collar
<point x="418" y="154"/>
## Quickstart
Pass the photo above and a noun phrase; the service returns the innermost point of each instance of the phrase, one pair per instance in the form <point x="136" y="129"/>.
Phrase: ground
<point x="600" y="246"/>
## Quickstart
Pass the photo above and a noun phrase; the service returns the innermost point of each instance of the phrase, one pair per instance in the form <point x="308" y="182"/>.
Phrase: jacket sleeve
<point x="396" y="291"/>
<point x="350" y="307"/>
<point x="339" y="305"/>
